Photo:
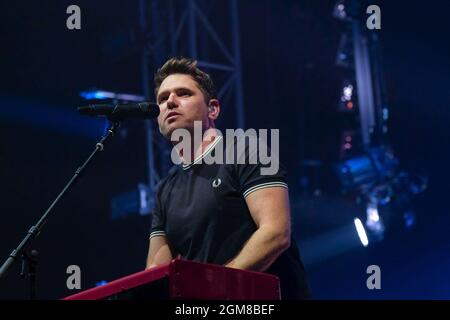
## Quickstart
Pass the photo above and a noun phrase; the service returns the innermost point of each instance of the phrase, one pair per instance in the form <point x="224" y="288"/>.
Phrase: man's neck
<point x="208" y="138"/>
<point x="197" y="150"/>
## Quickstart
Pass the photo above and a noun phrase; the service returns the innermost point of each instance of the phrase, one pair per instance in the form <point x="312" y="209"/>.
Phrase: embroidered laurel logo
<point x="216" y="182"/>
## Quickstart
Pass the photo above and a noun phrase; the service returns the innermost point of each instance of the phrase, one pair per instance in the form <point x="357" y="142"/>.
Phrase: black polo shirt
<point x="201" y="209"/>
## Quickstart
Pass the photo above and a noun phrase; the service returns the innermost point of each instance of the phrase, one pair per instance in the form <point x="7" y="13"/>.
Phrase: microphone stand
<point x="30" y="259"/>
<point x="34" y="231"/>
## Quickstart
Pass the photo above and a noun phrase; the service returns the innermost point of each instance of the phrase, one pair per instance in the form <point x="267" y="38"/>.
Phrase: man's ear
<point x="213" y="109"/>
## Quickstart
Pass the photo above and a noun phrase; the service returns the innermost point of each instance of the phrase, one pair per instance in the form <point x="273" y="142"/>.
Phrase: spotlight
<point x="344" y="10"/>
<point x="361" y="232"/>
<point x="374" y="222"/>
<point x="102" y="95"/>
<point x="340" y="11"/>
<point x="386" y="192"/>
<point x="346" y="103"/>
<point x="347" y="93"/>
<point x="372" y="230"/>
<point x="367" y="170"/>
<point x="101" y="283"/>
<point x="356" y="172"/>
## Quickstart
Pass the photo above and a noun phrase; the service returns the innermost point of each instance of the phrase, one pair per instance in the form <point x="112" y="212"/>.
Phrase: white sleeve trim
<point x="157" y="233"/>
<point x="265" y="185"/>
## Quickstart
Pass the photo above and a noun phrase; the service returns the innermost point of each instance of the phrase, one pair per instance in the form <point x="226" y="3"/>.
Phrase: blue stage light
<point x="100" y="283"/>
<point x="361" y="232"/>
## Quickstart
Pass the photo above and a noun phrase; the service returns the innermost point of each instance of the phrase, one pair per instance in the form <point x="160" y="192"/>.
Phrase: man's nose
<point x="171" y="102"/>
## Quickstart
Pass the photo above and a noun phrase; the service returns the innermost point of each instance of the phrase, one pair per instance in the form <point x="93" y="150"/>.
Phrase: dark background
<point x="291" y="82"/>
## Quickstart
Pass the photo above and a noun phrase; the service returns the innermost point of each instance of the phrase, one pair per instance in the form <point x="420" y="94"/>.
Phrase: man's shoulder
<point x="174" y="170"/>
<point x="168" y="179"/>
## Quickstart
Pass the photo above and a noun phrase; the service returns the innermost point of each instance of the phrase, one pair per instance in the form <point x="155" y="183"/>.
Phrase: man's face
<point x="181" y="102"/>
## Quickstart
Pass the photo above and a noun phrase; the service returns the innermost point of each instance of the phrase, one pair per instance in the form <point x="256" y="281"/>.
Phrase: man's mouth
<point x="171" y="115"/>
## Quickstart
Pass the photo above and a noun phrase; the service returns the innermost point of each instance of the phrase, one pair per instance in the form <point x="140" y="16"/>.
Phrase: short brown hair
<point x="186" y="66"/>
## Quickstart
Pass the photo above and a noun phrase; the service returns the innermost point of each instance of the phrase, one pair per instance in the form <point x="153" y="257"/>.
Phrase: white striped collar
<point x="200" y="157"/>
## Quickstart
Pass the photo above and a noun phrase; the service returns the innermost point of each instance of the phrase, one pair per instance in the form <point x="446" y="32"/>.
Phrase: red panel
<point x="122" y="284"/>
<point x="194" y="280"/>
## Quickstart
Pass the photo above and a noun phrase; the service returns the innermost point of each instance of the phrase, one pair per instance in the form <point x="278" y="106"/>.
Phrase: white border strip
<point x="156" y="233"/>
<point x="200" y="157"/>
<point x="265" y="185"/>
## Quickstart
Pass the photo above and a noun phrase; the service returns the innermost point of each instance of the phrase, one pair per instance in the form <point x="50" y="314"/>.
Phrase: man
<point x="226" y="214"/>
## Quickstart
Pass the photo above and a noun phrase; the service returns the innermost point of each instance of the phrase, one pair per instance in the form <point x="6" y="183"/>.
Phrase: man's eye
<point x="161" y="100"/>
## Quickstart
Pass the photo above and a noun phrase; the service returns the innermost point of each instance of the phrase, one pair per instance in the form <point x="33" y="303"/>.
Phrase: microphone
<point x="142" y="110"/>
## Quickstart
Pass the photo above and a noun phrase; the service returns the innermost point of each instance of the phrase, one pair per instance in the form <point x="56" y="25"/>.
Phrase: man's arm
<point x="158" y="252"/>
<point x="269" y="208"/>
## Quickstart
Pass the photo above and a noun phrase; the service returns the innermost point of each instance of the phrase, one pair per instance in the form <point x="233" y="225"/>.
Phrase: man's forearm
<point x="159" y="253"/>
<point x="261" y="250"/>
